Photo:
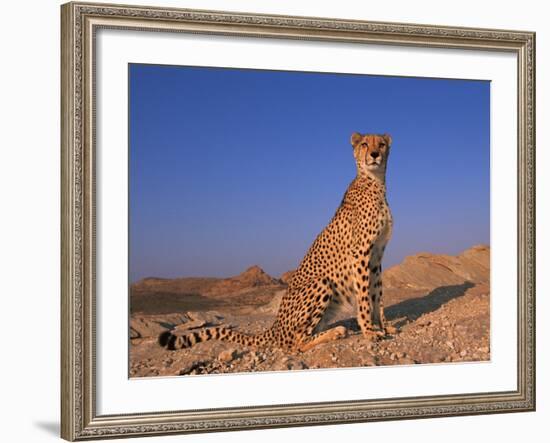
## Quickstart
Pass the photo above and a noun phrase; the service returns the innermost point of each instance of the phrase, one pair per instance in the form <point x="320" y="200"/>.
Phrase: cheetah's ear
<point x="387" y="137"/>
<point x="355" y="138"/>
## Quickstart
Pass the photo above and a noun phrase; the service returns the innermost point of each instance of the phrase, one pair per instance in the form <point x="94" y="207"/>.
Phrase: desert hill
<point x="439" y="303"/>
<point x="162" y="296"/>
<point x="253" y="277"/>
<point x="427" y="270"/>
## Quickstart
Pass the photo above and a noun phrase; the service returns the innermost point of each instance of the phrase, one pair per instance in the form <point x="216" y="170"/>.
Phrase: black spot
<point x="325" y="298"/>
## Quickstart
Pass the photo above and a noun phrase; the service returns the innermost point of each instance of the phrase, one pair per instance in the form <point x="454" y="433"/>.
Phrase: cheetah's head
<point x="371" y="153"/>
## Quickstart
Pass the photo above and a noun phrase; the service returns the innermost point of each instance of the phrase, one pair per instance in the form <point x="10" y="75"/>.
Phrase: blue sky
<point x="230" y="168"/>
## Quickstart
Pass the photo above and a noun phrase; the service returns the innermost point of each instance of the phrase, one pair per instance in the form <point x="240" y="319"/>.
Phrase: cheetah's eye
<point x="364" y="145"/>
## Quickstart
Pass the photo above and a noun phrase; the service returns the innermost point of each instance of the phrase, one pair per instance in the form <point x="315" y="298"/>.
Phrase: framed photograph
<point x="282" y="221"/>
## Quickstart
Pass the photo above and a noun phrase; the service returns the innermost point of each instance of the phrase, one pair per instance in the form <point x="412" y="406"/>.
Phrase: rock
<point x="285" y="277"/>
<point x="463" y="353"/>
<point x="204" y="318"/>
<point x="228" y="355"/>
<point x="192" y="324"/>
<point x="297" y="364"/>
<point x="426" y="270"/>
<point x="257" y="358"/>
<point x="150" y="326"/>
<point x="273" y="305"/>
<point x="286" y="364"/>
<point x="368" y="360"/>
<point x="194" y="367"/>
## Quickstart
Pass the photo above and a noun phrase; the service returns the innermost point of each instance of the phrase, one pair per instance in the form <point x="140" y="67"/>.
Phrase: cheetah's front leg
<point x="376" y="297"/>
<point x="363" y="276"/>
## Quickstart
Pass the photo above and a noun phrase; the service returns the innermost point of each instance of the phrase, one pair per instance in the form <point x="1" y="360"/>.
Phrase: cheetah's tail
<point x="172" y="342"/>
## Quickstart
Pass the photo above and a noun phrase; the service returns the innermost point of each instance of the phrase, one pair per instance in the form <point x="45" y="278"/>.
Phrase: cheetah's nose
<point x="374" y="154"/>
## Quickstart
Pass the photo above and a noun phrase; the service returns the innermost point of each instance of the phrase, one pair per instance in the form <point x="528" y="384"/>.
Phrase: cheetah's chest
<point x="379" y="242"/>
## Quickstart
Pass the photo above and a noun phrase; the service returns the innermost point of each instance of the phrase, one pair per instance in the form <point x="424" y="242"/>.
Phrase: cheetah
<point x="342" y="267"/>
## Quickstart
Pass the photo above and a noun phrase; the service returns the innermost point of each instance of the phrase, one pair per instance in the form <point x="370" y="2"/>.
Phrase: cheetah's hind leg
<point x="323" y="337"/>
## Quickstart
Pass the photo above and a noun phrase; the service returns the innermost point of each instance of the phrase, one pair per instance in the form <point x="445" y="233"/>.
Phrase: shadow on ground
<point x="412" y="309"/>
<point x="416" y="307"/>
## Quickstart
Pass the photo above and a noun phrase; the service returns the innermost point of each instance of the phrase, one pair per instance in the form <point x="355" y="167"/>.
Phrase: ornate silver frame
<point x="80" y="21"/>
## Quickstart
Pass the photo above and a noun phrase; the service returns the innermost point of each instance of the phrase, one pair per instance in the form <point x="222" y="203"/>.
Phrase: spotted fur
<point x="342" y="267"/>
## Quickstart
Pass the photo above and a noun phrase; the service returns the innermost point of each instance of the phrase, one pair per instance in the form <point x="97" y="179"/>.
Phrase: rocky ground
<point x="440" y="305"/>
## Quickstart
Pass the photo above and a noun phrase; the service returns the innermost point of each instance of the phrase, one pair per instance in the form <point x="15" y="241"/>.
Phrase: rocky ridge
<point x="439" y="303"/>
